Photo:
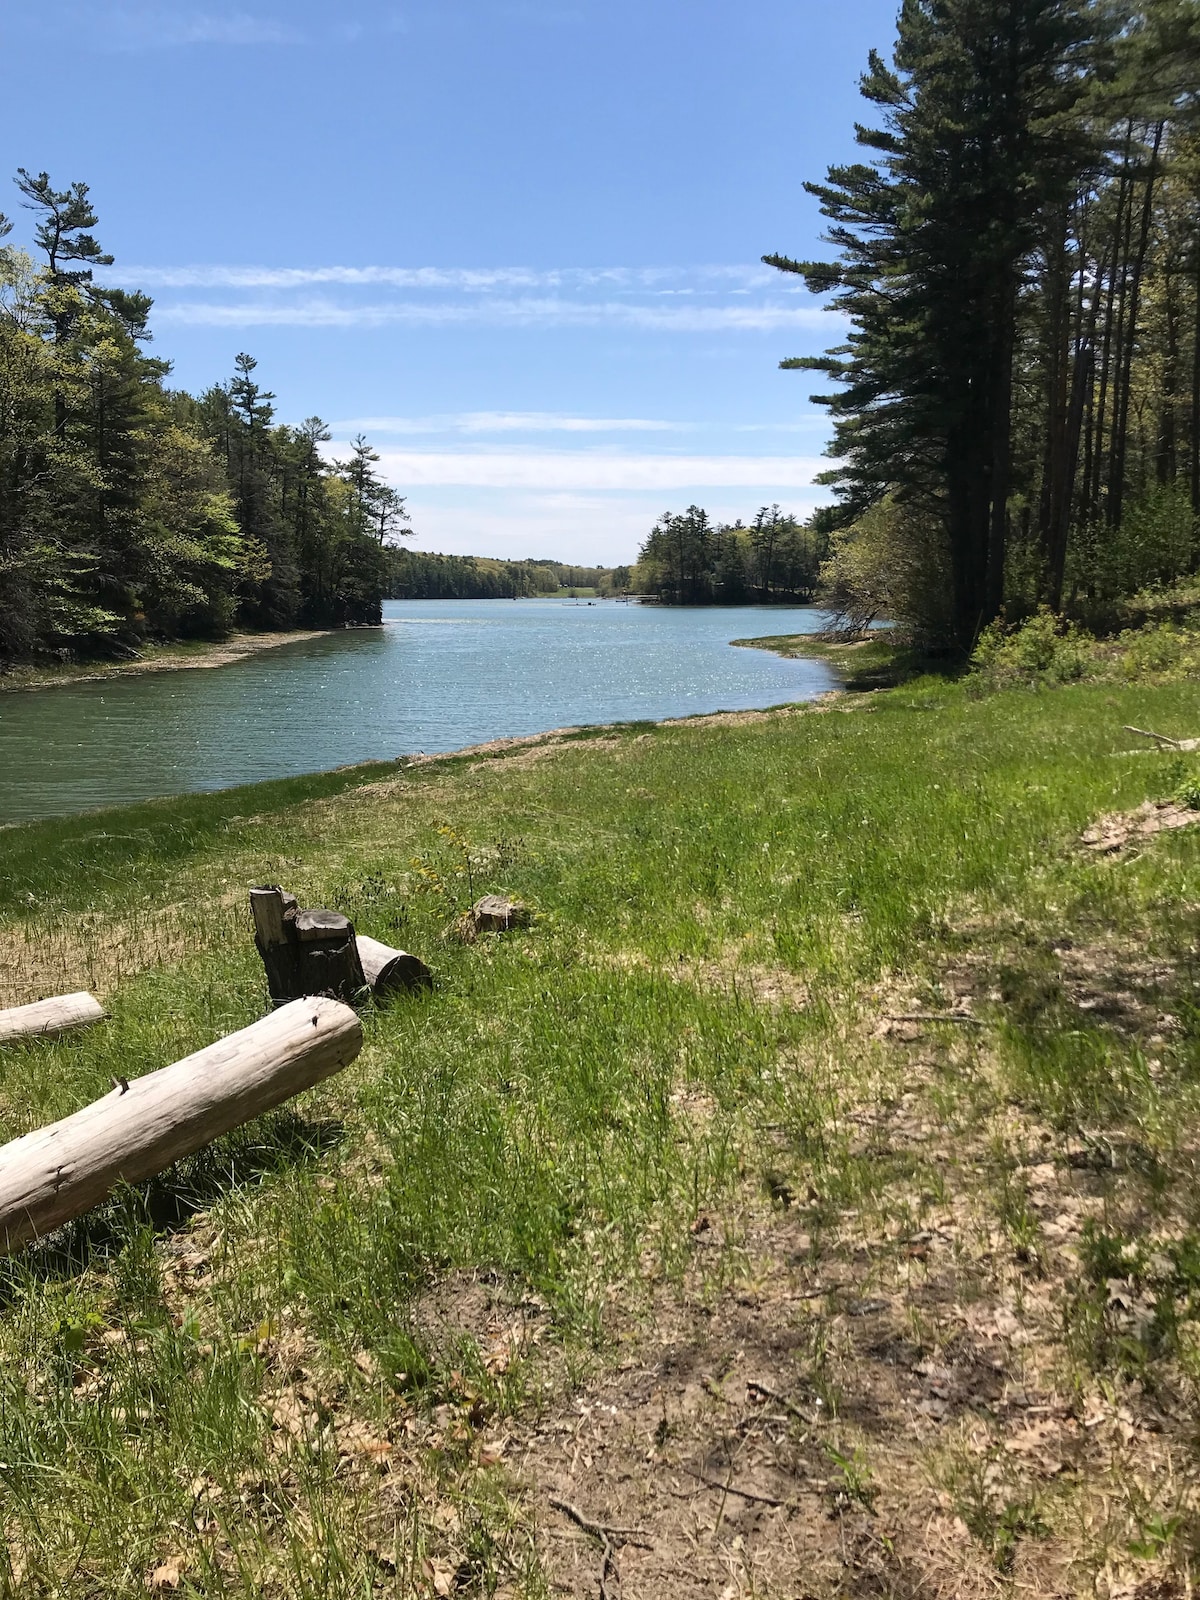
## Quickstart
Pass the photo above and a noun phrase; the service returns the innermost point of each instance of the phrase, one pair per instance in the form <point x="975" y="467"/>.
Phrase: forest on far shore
<point x="423" y="575"/>
<point x="132" y="511"/>
<point x="687" y="559"/>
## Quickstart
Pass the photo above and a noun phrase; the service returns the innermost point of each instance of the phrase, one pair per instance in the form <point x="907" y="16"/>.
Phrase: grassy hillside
<point x="676" y="1208"/>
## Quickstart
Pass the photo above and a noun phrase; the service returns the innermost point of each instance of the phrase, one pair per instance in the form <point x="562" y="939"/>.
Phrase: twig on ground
<point x="1163" y="738"/>
<point x="963" y="1017"/>
<point x="729" y="1488"/>
<point x="782" y="1400"/>
<point x="600" y="1530"/>
<point x="605" y="1533"/>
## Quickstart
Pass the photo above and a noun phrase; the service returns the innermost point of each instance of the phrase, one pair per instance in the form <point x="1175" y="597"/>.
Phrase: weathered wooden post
<point x="50" y="1017"/>
<point x="56" y="1173"/>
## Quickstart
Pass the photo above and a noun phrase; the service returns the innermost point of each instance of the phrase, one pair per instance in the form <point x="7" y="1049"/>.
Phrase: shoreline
<point x="391" y="770"/>
<point x="177" y="657"/>
<point x="810" y="646"/>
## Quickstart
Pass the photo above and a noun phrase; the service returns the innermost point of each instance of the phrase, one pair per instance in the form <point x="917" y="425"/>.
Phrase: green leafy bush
<point x="1042" y="650"/>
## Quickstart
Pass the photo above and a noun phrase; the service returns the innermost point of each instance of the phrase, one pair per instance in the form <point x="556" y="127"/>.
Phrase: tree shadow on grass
<point x="878" y="659"/>
<point x="272" y="1144"/>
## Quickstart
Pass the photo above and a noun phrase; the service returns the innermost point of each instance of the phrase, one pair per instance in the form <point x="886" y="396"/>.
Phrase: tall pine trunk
<point x="1116" y="493"/>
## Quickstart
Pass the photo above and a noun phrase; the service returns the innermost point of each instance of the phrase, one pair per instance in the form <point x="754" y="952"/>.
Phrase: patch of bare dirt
<point x="729" y="973"/>
<point x="811" y="1433"/>
<point x="495" y="747"/>
<point x="886" y="1398"/>
<point x="480" y="1311"/>
<point x="742" y="719"/>
<point x="530" y="757"/>
<point x="777" y="1439"/>
<point x="1105" y="979"/>
<point x="769" y="986"/>
<point x="1120" y="829"/>
<point x="98" y="953"/>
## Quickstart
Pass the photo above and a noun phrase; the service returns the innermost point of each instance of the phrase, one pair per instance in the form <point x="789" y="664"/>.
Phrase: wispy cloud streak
<point x="683" y="299"/>
<point x="166" y="28"/>
<point x="487" y="422"/>
<point x="596" y="470"/>
<point x="652" y="280"/>
<point x="527" y="312"/>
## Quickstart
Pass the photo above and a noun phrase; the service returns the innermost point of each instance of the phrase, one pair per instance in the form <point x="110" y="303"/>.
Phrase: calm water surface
<point x="436" y="676"/>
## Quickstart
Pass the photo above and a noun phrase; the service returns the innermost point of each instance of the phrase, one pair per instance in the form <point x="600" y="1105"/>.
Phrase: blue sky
<point x="516" y="242"/>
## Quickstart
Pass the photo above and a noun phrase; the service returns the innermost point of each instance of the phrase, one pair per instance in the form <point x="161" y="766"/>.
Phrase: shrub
<point x="1158" y="648"/>
<point x="1042" y="650"/>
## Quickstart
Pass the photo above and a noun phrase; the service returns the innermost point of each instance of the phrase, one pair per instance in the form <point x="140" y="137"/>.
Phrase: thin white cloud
<point x="805" y="424"/>
<point x="157" y="28"/>
<point x="474" y="422"/>
<point x="584" y="470"/>
<point x="528" y="312"/>
<point x="654" y="280"/>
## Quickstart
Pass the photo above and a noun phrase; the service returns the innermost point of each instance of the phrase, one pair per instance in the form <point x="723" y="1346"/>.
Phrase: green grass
<point x="534" y="1116"/>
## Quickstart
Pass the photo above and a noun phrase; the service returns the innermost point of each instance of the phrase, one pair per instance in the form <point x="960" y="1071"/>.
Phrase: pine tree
<point x="982" y="136"/>
<point x="128" y="511"/>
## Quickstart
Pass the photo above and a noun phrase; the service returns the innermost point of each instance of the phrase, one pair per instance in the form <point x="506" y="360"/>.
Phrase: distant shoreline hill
<point x="424" y="575"/>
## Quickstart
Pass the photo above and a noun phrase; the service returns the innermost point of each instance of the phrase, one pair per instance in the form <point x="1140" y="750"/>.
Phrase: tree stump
<point x="494" y="914"/>
<point x="318" y="952"/>
<point x="304" y="952"/>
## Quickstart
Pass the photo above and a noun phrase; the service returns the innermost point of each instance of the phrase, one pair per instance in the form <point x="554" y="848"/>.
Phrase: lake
<point x="437" y="676"/>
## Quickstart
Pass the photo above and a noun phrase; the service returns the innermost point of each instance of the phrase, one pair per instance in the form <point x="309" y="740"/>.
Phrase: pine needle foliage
<point x="1018" y="260"/>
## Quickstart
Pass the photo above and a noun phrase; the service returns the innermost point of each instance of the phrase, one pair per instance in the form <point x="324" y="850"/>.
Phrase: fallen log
<point x="50" y="1017"/>
<point x="56" y="1173"/>
<point x="388" y="971"/>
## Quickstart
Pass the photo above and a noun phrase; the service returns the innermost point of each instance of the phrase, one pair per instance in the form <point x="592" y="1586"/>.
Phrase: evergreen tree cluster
<point x="1017" y="417"/>
<point x="129" y="510"/>
<point x="422" y="575"/>
<point x="690" y="560"/>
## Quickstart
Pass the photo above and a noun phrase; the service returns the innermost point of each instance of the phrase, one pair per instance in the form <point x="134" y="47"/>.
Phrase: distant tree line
<point x="1017" y="410"/>
<point x="420" y="575"/>
<point x="130" y="510"/>
<point x="690" y="560"/>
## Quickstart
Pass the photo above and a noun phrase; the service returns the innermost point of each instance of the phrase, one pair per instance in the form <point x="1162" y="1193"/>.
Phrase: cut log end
<point x="391" y="971"/>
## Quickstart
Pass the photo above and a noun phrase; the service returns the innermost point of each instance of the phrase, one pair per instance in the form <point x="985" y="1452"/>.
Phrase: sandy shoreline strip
<point x="160" y="658"/>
